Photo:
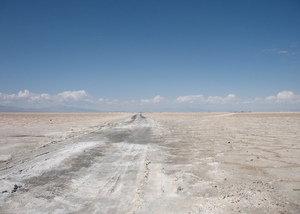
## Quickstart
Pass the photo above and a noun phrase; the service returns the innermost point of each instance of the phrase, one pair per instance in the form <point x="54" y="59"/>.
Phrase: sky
<point x="208" y="55"/>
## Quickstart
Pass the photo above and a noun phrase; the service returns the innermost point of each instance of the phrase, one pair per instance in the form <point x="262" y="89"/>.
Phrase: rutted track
<point x="97" y="173"/>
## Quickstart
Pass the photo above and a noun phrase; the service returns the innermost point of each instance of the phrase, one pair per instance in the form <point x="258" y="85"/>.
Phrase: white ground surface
<point x="150" y="163"/>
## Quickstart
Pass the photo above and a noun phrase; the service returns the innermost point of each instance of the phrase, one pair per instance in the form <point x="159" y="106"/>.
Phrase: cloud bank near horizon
<point x="81" y="99"/>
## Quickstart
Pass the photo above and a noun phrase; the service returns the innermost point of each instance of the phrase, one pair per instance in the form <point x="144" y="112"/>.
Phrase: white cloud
<point x="40" y="97"/>
<point x="283" y="52"/>
<point x="24" y="94"/>
<point x="112" y="102"/>
<point x="284" y="97"/>
<point x="156" y="99"/>
<point x="214" y="99"/>
<point x="27" y="99"/>
<point x="272" y="49"/>
<point x="21" y="95"/>
<point x="220" y="100"/>
<point x="270" y="98"/>
<point x="231" y="97"/>
<point x="106" y="101"/>
<point x="72" y="95"/>
<point x="189" y="99"/>
<point x="201" y="99"/>
<point x="102" y="100"/>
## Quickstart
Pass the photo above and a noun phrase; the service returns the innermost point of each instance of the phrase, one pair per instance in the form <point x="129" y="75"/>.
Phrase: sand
<point x="150" y="163"/>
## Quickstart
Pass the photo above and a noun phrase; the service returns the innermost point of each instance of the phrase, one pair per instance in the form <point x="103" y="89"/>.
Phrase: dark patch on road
<point x="118" y="135"/>
<point x="60" y="178"/>
<point x="139" y="135"/>
<point x="132" y="118"/>
<point x="135" y="136"/>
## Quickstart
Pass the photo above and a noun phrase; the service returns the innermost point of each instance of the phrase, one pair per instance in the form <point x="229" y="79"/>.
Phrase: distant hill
<point x="10" y="109"/>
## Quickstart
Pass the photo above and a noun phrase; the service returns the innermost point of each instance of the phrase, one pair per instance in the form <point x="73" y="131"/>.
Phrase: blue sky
<point x="151" y="55"/>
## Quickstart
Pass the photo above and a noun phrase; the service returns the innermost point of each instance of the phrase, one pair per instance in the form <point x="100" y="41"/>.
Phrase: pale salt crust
<point x="194" y="163"/>
<point x="230" y="162"/>
<point x="23" y="132"/>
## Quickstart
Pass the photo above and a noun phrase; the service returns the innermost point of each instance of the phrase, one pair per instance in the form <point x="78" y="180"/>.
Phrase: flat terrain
<point x="150" y="163"/>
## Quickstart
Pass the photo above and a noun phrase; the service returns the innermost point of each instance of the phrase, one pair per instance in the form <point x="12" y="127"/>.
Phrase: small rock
<point x="15" y="188"/>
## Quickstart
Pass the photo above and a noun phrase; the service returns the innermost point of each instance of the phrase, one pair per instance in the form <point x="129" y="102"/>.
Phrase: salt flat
<point x="150" y="163"/>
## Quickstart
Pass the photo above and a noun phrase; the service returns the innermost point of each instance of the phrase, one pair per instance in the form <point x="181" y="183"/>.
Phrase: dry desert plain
<point x="150" y="163"/>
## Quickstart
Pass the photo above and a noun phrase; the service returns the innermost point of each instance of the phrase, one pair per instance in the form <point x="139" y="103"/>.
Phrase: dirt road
<point x="159" y="164"/>
<point x="106" y="166"/>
